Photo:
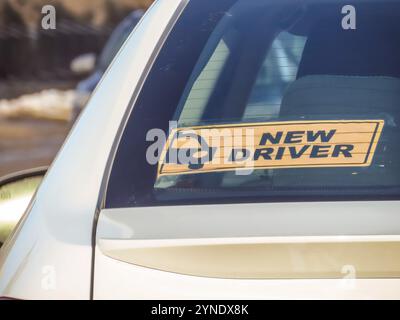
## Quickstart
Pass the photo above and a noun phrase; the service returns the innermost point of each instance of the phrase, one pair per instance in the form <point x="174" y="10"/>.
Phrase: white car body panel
<point x="242" y="223"/>
<point x="252" y="220"/>
<point x="51" y="252"/>
<point x="134" y="282"/>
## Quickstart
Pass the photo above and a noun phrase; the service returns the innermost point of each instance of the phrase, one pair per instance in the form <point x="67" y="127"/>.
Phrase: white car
<point x="234" y="149"/>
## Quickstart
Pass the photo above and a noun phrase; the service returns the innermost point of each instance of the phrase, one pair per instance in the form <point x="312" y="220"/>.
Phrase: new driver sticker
<point x="270" y="145"/>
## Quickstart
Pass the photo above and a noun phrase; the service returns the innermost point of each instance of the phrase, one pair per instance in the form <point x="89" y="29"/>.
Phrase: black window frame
<point x="131" y="185"/>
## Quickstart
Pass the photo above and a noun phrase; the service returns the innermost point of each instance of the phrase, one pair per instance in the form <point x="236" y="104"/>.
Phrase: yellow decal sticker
<point x="270" y="145"/>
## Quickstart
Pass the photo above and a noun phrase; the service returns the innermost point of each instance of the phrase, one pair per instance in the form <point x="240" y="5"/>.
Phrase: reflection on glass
<point x="14" y="199"/>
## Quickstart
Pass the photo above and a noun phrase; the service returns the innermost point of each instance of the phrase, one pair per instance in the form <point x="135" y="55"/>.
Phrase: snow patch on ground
<point x="48" y="104"/>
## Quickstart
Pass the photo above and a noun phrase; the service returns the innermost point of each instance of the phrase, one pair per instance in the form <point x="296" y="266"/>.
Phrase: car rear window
<point x="267" y="101"/>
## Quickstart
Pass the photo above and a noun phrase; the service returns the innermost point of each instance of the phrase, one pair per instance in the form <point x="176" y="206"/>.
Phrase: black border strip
<point x="35" y="172"/>
<point x="372" y="141"/>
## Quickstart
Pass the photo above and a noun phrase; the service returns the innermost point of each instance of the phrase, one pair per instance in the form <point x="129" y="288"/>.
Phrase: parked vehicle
<point x="307" y="208"/>
<point x="87" y="63"/>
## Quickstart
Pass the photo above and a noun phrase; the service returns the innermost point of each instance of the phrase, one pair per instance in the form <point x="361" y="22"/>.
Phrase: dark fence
<point x="46" y="55"/>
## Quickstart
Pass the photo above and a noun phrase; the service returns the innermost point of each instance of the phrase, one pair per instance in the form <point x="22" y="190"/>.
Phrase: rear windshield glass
<point x="267" y="101"/>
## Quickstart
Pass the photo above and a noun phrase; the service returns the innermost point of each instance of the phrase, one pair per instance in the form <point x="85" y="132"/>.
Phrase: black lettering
<point x="320" y="151"/>
<point x="345" y="149"/>
<point x="297" y="154"/>
<point x="294" y="136"/>
<point x="311" y="136"/>
<point x="274" y="140"/>
<point x="265" y="153"/>
<point x="239" y="155"/>
<point x="279" y="154"/>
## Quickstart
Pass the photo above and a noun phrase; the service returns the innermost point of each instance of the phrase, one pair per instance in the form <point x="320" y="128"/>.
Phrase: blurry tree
<point x="96" y="12"/>
<point x="27" y="51"/>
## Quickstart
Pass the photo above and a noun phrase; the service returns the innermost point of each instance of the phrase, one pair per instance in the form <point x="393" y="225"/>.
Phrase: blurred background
<point x="47" y="76"/>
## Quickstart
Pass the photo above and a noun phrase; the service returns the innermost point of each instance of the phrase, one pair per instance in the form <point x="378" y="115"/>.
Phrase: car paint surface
<point x="50" y="256"/>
